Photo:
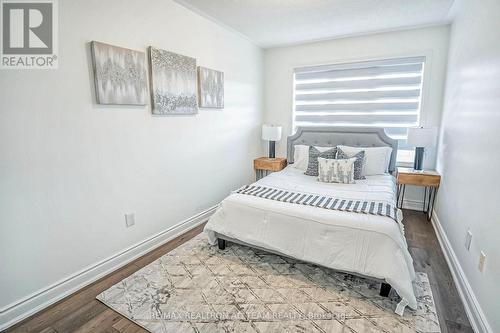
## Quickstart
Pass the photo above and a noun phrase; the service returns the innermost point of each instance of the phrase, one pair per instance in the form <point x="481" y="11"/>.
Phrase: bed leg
<point x="385" y="288"/>
<point x="221" y="243"/>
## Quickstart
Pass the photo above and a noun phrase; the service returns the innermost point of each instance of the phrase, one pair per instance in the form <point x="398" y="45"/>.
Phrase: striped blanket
<point x="322" y="201"/>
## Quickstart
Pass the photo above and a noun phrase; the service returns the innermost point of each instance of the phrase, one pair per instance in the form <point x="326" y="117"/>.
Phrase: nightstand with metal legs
<point x="264" y="165"/>
<point x="429" y="179"/>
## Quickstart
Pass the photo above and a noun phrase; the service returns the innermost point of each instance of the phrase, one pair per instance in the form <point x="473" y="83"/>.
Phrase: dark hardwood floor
<point x="81" y="312"/>
<point x="428" y="257"/>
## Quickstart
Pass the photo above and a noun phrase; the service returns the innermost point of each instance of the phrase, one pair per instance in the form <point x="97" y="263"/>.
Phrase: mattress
<point x="367" y="245"/>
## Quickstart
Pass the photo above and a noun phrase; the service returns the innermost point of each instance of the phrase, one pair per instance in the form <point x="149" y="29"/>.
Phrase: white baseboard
<point x="31" y="304"/>
<point x="474" y="312"/>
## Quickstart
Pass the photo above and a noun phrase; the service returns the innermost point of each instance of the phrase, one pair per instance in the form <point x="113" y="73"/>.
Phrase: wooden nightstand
<point x="430" y="179"/>
<point x="264" y="165"/>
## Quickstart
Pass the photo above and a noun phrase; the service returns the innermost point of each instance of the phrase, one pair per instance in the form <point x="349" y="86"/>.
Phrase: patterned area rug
<point x="199" y="288"/>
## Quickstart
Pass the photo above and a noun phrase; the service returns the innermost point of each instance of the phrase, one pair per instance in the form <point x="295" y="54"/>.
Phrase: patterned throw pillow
<point x="358" y="164"/>
<point x="336" y="171"/>
<point x="314" y="154"/>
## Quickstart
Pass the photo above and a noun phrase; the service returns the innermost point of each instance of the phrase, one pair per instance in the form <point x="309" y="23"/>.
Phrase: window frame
<point x="423" y="118"/>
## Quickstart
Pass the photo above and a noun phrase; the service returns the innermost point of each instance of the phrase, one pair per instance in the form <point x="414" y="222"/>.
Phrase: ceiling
<point x="270" y="23"/>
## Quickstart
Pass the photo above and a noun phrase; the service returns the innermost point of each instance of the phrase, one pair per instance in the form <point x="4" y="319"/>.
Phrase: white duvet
<point x="363" y="244"/>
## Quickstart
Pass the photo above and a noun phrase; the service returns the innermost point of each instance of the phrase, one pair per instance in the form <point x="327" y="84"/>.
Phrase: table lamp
<point x="271" y="133"/>
<point x="421" y="138"/>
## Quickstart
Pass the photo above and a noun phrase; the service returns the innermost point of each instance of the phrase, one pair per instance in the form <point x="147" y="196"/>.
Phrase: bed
<point x="367" y="245"/>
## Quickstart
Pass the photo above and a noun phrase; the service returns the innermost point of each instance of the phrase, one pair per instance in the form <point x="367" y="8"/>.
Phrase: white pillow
<point x="377" y="159"/>
<point x="301" y="156"/>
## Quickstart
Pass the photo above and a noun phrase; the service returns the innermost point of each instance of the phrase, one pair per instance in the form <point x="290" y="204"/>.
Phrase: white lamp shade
<point x="271" y="132"/>
<point x="422" y="137"/>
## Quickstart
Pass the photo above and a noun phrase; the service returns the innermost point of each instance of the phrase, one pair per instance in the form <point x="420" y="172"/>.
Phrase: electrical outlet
<point x="468" y="240"/>
<point x="129" y="219"/>
<point x="482" y="261"/>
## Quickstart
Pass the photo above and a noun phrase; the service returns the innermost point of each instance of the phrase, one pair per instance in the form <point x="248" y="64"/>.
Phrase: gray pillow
<point x="358" y="164"/>
<point x="312" y="167"/>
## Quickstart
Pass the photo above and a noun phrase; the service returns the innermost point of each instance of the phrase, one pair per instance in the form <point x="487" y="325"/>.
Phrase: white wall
<point x="469" y="156"/>
<point x="70" y="169"/>
<point x="280" y="62"/>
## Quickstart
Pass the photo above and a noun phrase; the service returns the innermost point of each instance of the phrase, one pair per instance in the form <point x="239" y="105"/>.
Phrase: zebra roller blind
<point x="384" y="93"/>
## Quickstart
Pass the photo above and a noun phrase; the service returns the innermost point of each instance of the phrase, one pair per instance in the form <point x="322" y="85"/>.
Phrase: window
<point x="384" y="93"/>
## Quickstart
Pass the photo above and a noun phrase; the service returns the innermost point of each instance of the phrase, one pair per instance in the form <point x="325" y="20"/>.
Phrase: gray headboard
<point x="348" y="136"/>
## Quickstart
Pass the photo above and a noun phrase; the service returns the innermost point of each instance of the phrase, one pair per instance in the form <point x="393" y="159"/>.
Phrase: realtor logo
<point x="29" y="34"/>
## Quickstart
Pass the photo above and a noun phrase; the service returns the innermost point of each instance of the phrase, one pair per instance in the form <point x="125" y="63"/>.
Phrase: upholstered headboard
<point x="348" y="136"/>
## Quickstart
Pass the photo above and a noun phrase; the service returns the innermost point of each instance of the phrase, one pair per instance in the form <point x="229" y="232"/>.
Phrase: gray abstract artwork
<point x="210" y="88"/>
<point x="173" y="83"/>
<point x="119" y="74"/>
